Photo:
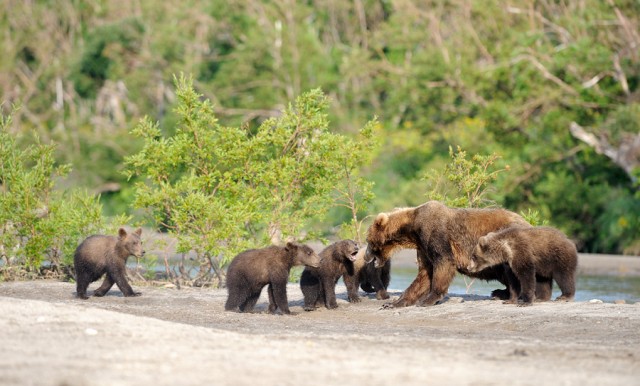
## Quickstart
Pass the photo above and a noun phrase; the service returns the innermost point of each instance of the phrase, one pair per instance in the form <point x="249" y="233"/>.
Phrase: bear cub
<point x="539" y="251"/>
<point x="253" y="269"/>
<point x="374" y="279"/>
<point x="98" y="255"/>
<point x="318" y="284"/>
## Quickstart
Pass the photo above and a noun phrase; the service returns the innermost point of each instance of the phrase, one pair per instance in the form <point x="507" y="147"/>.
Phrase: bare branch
<point x="627" y="155"/>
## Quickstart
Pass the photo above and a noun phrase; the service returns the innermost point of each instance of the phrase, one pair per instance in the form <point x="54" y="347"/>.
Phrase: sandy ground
<point x="169" y="336"/>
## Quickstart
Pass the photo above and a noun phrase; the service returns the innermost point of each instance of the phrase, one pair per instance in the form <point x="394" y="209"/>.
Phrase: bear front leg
<point x="513" y="286"/>
<point x="443" y="273"/>
<point x="279" y="294"/>
<point x="351" y="281"/>
<point x="329" y="286"/>
<point x="118" y="274"/>
<point x="417" y="289"/>
<point x="105" y="286"/>
<point x="272" y="300"/>
<point x="378" y="285"/>
<point x="527" y="276"/>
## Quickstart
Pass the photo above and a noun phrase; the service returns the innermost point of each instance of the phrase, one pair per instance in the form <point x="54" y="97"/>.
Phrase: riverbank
<point x="170" y="336"/>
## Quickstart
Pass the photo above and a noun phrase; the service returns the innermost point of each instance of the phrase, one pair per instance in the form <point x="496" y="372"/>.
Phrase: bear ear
<point x="138" y="232"/>
<point x="482" y="242"/>
<point x="289" y="246"/>
<point x="381" y="220"/>
<point x="122" y="233"/>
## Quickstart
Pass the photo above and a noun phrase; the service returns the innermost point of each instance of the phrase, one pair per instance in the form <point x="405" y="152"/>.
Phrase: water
<point x="605" y="288"/>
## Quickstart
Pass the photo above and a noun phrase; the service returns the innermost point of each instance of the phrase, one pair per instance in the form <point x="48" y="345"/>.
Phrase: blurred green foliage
<point x="485" y="75"/>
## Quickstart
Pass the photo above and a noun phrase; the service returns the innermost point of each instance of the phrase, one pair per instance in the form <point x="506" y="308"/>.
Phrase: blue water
<point x="605" y="288"/>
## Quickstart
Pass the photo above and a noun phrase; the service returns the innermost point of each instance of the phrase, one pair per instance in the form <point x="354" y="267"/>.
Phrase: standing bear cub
<point x="318" y="285"/>
<point x="540" y="251"/>
<point x="98" y="255"/>
<point x="251" y="270"/>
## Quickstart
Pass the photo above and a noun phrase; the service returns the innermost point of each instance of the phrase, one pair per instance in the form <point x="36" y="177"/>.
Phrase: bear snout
<point x="368" y="256"/>
<point x="378" y="263"/>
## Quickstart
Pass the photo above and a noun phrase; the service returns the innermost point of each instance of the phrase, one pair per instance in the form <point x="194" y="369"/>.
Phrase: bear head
<point x="487" y="252"/>
<point x="302" y="254"/>
<point x="130" y="242"/>
<point x="389" y="233"/>
<point x="346" y="250"/>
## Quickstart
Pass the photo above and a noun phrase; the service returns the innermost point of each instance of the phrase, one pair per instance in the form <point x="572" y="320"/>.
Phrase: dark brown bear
<point x="98" y="255"/>
<point x="376" y="280"/>
<point x="444" y="239"/>
<point x="251" y="270"/>
<point x="530" y="252"/>
<point x="318" y="285"/>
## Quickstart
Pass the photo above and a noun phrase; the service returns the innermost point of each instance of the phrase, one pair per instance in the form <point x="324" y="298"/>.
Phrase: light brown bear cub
<point x="101" y="255"/>
<point x="530" y="252"/>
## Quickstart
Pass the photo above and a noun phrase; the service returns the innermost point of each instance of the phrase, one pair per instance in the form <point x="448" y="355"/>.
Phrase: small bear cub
<point x="98" y="255"/>
<point x="538" y="251"/>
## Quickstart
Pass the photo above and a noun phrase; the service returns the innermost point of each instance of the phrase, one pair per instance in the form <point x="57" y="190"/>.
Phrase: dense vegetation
<point x="546" y="91"/>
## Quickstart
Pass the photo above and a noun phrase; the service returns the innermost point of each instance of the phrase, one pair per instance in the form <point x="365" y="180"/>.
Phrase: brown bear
<point x="251" y="270"/>
<point x="444" y="239"/>
<point x="373" y="279"/>
<point x="530" y="252"/>
<point x="318" y="285"/>
<point x="99" y="254"/>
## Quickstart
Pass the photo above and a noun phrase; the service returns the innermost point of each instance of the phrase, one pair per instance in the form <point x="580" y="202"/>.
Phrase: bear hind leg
<point x="105" y="286"/>
<point x="251" y="301"/>
<point x="567" y="284"/>
<point x="238" y="296"/>
<point x="544" y="286"/>
<point x="82" y="283"/>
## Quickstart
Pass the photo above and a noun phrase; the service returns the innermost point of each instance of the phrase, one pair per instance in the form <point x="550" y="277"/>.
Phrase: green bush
<point x="221" y="190"/>
<point x="39" y="227"/>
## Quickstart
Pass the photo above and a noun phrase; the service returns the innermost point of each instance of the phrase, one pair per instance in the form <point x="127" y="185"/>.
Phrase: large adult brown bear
<point x="444" y="239"/>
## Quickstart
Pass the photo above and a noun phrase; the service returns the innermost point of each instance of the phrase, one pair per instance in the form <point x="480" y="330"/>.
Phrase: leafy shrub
<point x="39" y="227"/>
<point x="221" y="190"/>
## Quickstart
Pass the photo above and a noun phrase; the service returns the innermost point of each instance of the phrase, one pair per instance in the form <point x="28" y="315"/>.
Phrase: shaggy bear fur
<point x="251" y="270"/>
<point x="318" y="285"/>
<point x="98" y="255"/>
<point x="530" y="252"/>
<point x="444" y="239"/>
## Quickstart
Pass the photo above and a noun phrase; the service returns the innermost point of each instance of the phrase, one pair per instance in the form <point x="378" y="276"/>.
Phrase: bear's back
<point x="541" y="243"/>
<point x="96" y="249"/>
<point x="257" y="262"/>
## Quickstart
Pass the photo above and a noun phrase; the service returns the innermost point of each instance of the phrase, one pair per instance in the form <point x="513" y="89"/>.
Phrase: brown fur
<point x="444" y="239"/>
<point x="530" y="252"/>
<point x="98" y="255"/>
<point x="318" y="285"/>
<point x="251" y="270"/>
